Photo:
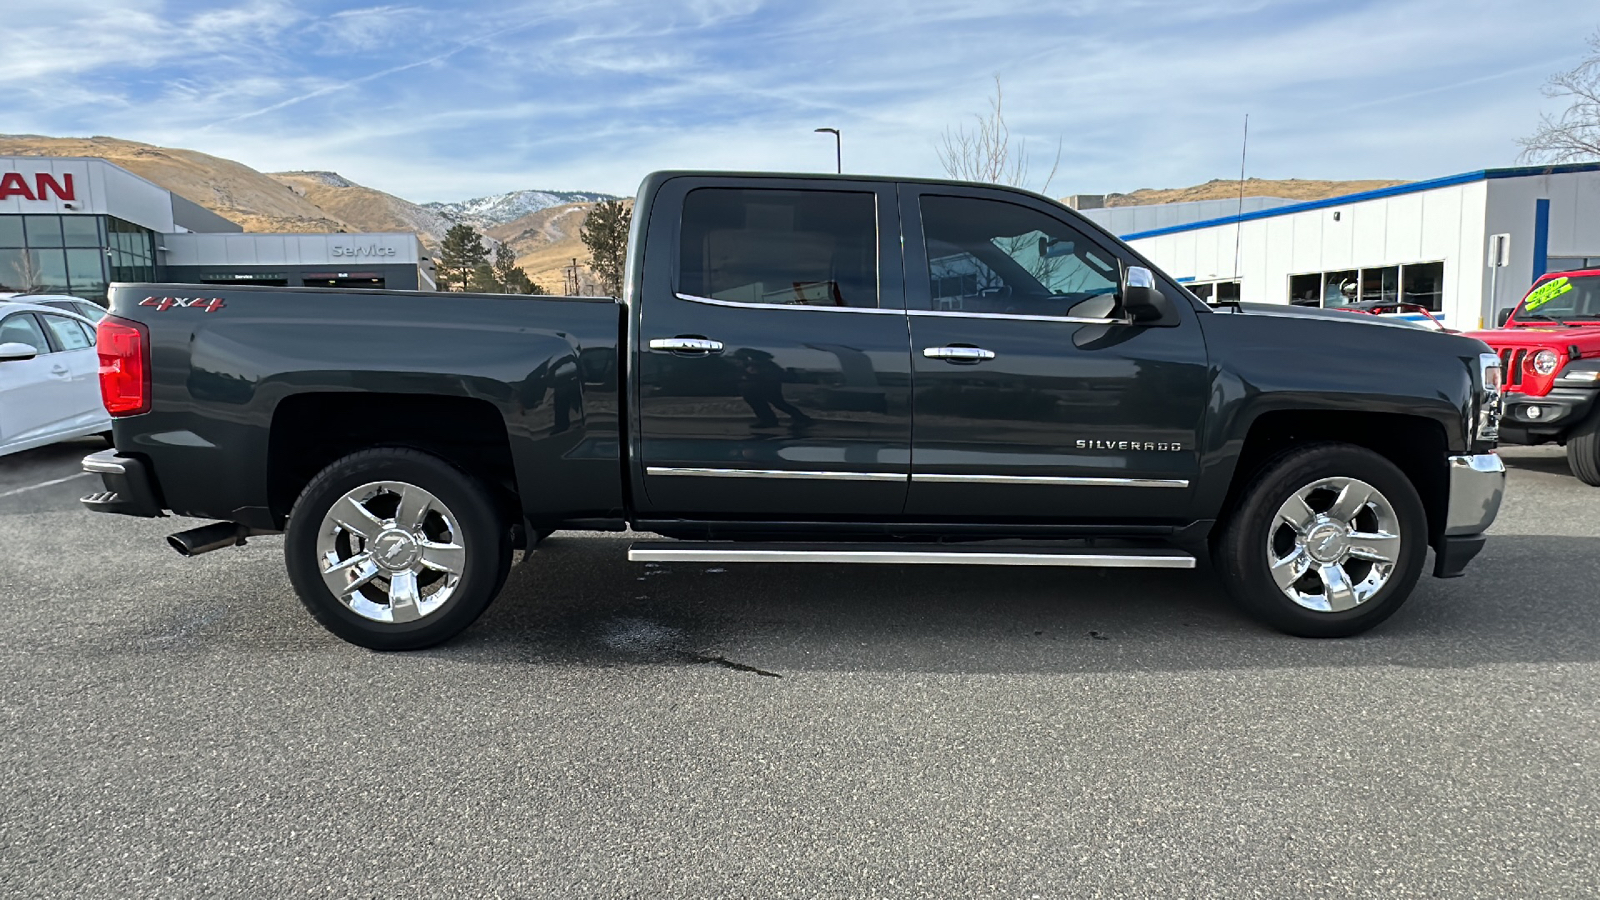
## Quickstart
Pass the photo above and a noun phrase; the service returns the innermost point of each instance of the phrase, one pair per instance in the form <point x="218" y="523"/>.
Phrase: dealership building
<point x="1465" y="246"/>
<point x="71" y="225"/>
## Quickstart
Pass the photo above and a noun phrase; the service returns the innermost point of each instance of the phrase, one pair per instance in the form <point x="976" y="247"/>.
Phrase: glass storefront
<point x="75" y="255"/>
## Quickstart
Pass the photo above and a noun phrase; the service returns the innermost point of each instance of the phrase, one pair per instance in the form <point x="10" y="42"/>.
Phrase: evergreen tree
<point x="460" y="257"/>
<point x="482" y="280"/>
<point x="505" y="269"/>
<point x="605" y="233"/>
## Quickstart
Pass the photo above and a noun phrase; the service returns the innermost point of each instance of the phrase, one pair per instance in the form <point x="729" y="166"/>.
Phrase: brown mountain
<point x="364" y="208"/>
<point x="1221" y="189"/>
<point x="547" y="241"/>
<point x="227" y="188"/>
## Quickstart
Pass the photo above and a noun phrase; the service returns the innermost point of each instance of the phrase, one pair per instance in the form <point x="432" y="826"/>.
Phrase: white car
<point x="49" y="377"/>
<point x="90" y="310"/>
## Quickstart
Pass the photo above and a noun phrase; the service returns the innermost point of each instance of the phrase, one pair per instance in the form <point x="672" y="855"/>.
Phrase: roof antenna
<point x="1238" y="224"/>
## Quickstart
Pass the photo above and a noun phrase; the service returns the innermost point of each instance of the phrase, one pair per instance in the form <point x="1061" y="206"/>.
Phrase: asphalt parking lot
<point x="181" y="728"/>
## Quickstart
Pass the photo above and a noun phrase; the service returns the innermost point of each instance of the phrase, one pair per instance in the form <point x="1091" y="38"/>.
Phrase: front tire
<point x="394" y="549"/>
<point x="1326" y="541"/>
<point x="1583" y="450"/>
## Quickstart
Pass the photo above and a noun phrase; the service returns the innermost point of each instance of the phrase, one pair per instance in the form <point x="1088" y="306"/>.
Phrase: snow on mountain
<point x="497" y="209"/>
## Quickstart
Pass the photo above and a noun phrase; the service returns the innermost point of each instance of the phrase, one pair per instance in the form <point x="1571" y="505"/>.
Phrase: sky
<point x="454" y="100"/>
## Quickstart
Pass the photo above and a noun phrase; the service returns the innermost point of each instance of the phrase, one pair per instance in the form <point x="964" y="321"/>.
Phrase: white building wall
<point x="1574" y="228"/>
<point x="98" y="187"/>
<point x="1444" y="224"/>
<point x="336" y="251"/>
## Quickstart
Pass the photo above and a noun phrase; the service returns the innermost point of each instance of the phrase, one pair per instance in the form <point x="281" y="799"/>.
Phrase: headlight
<point x="1544" y="362"/>
<point x="1486" y="418"/>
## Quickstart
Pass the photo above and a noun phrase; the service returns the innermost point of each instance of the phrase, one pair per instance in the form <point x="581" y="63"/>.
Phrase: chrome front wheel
<point x="391" y="551"/>
<point x="1325" y="540"/>
<point x="1334" y="544"/>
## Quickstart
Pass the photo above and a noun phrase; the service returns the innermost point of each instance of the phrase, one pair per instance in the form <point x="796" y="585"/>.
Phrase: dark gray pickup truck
<point x="807" y="369"/>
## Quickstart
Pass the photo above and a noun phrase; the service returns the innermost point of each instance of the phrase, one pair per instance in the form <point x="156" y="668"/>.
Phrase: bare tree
<point x="986" y="152"/>
<point x="1574" y="135"/>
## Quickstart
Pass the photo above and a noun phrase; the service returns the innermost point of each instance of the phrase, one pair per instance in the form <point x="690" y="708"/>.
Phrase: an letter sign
<point x="13" y="184"/>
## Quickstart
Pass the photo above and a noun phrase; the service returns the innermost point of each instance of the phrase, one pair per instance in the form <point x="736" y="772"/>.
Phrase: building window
<point x="1419" y="283"/>
<point x="54" y="255"/>
<point x="1571" y="263"/>
<point x="1215" y="292"/>
<point x="1424" y="285"/>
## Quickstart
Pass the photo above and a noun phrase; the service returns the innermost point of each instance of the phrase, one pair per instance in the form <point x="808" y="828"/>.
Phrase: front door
<point x="1029" y="404"/>
<point x="774" y="364"/>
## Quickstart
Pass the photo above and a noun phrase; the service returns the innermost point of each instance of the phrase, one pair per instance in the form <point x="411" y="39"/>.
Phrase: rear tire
<point x="394" y="549"/>
<point x="1327" y="541"/>
<point x="1583" y="450"/>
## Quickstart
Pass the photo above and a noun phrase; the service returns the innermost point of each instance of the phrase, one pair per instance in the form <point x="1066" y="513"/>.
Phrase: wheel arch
<point x="1418" y="445"/>
<point x="311" y="430"/>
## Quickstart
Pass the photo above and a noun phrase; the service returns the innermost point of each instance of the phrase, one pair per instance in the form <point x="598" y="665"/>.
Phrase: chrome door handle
<point x="686" y="345"/>
<point x="958" y="354"/>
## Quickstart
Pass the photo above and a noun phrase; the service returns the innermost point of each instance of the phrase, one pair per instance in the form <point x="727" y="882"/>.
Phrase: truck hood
<point x="1556" y="337"/>
<point x="1285" y="310"/>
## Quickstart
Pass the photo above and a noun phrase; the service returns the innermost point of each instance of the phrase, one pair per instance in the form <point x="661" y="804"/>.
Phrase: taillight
<point x="124" y="349"/>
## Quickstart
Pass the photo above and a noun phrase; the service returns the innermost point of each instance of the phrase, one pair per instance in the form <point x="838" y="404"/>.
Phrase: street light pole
<point x="838" y="148"/>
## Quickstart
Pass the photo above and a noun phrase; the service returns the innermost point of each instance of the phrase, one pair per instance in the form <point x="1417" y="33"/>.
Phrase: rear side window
<point x="21" y="329"/>
<point x="793" y="248"/>
<point x="69" y="334"/>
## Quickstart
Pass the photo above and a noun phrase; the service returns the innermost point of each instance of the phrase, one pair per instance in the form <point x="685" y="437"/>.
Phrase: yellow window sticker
<point x="1546" y="292"/>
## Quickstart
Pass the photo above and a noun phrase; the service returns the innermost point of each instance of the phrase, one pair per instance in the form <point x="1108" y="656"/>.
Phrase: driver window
<point x="995" y="257"/>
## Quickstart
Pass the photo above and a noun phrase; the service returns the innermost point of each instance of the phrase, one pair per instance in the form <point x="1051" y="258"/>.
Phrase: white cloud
<point x="448" y="101"/>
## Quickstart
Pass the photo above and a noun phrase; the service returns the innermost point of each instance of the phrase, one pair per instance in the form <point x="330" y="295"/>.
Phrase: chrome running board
<point x="909" y="554"/>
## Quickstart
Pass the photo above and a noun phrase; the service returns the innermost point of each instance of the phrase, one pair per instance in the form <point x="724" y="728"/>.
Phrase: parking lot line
<point x="42" y="484"/>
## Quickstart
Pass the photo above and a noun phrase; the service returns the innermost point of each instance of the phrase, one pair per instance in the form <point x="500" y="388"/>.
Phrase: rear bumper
<point x="1526" y="419"/>
<point x="129" y="489"/>
<point x="1477" y="486"/>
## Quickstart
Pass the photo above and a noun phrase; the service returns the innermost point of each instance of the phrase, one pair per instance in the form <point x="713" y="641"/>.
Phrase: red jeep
<point x="1549" y="347"/>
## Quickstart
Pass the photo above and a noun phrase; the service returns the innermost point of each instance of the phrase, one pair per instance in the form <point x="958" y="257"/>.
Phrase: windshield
<point x="1562" y="299"/>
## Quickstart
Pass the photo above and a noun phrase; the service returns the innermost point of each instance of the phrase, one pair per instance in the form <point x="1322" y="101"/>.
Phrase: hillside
<point x="231" y="190"/>
<point x="364" y="208"/>
<point x="1221" y="189"/>
<point x="545" y="241"/>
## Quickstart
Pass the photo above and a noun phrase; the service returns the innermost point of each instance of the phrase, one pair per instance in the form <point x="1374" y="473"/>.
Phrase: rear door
<point x="1029" y="404"/>
<point x="774" y="364"/>
<point x="75" y="349"/>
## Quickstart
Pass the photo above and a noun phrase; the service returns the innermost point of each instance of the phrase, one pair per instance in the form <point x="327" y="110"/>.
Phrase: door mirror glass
<point x="17" y="351"/>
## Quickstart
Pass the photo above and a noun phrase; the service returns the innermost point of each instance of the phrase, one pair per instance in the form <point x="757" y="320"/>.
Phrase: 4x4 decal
<point x="162" y="304"/>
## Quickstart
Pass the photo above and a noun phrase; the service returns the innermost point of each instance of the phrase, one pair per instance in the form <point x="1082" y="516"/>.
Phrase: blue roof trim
<point x="1415" y="187"/>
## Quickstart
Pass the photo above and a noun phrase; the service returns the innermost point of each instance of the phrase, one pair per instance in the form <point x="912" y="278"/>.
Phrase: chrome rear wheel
<point x="391" y="551"/>
<point x="396" y="549"/>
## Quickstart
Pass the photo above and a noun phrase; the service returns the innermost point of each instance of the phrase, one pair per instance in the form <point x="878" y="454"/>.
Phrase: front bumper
<point x="1477" y="485"/>
<point x="1557" y="412"/>
<point x="129" y="489"/>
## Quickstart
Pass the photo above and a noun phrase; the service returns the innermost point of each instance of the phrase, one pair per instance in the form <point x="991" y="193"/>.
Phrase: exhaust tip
<point x="207" y="538"/>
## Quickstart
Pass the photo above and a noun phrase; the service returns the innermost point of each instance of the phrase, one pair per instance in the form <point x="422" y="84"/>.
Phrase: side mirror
<point x="16" y="351"/>
<point x="1504" y="316"/>
<point x="1140" y="299"/>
